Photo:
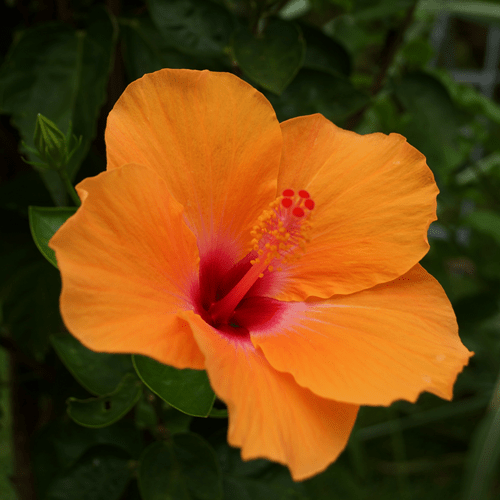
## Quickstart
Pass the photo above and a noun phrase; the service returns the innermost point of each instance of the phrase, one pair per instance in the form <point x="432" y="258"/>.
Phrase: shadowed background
<point x="428" y="70"/>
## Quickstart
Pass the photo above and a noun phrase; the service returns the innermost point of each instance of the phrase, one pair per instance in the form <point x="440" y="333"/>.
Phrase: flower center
<point x="279" y="236"/>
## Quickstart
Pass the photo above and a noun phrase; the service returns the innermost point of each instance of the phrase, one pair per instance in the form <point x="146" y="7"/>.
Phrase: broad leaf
<point x="44" y="222"/>
<point x="187" y="390"/>
<point x="186" y="467"/>
<point x="197" y="27"/>
<point x="61" y="73"/>
<point x="433" y="122"/>
<point x="272" y="58"/>
<point x="146" y="49"/>
<point x="318" y="92"/>
<point x="99" y="373"/>
<point x="325" y="54"/>
<point x="101" y="474"/>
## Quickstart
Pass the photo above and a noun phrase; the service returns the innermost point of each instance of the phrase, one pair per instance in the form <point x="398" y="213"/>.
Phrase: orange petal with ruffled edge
<point x="270" y="416"/>
<point x="214" y="140"/>
<point x="127" y="260"/>
<point x="372" y="347"/>
<point x="374" y="200"/>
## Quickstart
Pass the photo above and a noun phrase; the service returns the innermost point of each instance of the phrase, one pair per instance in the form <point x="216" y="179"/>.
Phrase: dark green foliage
<point x="147" y="430"/>
<point x="187" y="390"/>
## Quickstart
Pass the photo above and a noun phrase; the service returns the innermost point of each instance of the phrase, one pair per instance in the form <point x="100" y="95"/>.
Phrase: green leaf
<point x="186" y="467"/>
<point x="159" y="476"/>
<point x="256" y="479"/>
<point x="318" y="92"/>
<point x="146" y="50"/>
<point x="325" y="54"/>
<point x="187" y="390"/>
<point x="272" y="58"/>
<point x="101" y="474"/>
<point x="199" y="464"/>
<point x="197" y="27"/>
<point x="62" y="442"/>
<point x="62" y="73"/>
<point x="44" y="222"/>
<point x="433" y="123"/>
<point x="339" y="478"/>
<point x="106" y="410"/>
<point x="486" y="222"/>
<point x="99" y="373"/>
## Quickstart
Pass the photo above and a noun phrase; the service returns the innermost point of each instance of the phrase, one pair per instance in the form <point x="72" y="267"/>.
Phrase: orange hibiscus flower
<point x="281" y="258"/>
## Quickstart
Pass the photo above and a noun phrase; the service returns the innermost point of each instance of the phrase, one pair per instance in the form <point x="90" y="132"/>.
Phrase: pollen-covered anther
<point x="282" y="231"/>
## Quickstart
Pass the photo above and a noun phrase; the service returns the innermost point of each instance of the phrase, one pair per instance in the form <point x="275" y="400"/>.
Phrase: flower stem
<point x="69" y="186"/>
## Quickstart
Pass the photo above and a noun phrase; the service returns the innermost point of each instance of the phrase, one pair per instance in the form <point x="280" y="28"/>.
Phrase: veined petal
<point x="127" y="260"/>
<point x="270" y="416"/>
<point x="390" y="342"/>
<point x="212" y="138"/>
<point x="374" y="200"/>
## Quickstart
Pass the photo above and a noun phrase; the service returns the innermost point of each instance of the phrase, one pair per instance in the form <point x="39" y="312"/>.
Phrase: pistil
<point x="278" y="237"/>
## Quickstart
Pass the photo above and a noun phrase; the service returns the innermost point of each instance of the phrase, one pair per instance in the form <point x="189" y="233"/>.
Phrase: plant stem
<point x="69" y="186"/>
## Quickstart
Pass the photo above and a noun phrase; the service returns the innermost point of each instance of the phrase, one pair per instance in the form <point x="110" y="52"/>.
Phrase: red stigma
<point x="309" y="204"/>
<point x="288" y="192"/>
<point x="286" y="202"/>
<point x="303" y="193"/>
<point x="298" y="212"/>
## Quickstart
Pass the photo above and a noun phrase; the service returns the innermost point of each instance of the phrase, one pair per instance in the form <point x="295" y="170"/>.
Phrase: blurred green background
<point x="428" y="70"/>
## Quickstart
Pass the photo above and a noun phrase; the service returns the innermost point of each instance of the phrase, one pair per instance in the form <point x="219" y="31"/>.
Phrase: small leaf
<point x="100" y="373"/>
<point x="272" y="58"/>
<point x="44" y="222"/>
<point x="106" y="410"/>
<point x="186" y="468"/>
<point x="187" y="390"/>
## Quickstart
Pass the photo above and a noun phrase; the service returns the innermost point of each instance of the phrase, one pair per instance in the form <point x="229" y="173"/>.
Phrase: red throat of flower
<point x="279" y="236"/>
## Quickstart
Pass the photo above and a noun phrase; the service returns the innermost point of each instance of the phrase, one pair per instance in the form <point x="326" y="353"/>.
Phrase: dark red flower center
<point x="234" y="301"/>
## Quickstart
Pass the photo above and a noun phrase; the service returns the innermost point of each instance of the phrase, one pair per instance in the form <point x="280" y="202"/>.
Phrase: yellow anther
<point x="279" y="235"/>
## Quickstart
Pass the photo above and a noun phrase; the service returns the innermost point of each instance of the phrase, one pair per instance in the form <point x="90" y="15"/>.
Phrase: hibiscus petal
<point x="270" y="416"/>
<point x="374" y="200"/>
<point x="215" y="141"/>
<point x="373" y="347"/>
<point x="127" y="260"/>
